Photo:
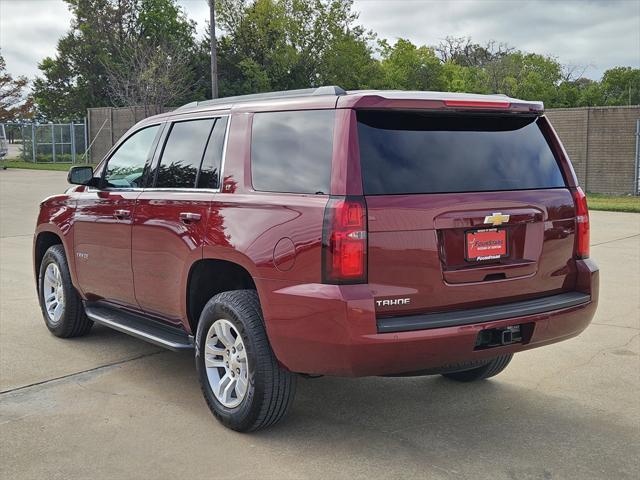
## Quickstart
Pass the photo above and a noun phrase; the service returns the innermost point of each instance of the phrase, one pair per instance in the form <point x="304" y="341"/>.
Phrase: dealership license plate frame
<point x="503" y="252"/>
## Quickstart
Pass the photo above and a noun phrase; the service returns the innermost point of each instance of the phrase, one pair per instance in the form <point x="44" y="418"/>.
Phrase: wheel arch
<point x="210" y="276"/>
<point x="44" y="240"/>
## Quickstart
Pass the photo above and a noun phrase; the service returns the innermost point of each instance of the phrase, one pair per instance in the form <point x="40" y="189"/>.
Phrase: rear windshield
<point x="414" y="152"/>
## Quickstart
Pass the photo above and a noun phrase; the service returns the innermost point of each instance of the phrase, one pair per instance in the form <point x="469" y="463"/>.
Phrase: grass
<point x="611" y="203"/>
<point x="36" y="166"/>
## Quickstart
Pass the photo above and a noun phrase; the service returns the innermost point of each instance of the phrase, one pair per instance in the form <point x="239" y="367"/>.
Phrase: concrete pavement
<point x="110" y="406"/>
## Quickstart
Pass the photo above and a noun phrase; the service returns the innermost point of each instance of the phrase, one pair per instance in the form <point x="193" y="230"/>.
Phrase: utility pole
<point x="214" y="49"/>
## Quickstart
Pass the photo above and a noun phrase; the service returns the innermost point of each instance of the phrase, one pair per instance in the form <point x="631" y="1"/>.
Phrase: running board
<point x="140" y="327"/>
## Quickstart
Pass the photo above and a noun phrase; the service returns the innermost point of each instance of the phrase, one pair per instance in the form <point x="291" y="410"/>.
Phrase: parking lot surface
<point x="113" y="407"/>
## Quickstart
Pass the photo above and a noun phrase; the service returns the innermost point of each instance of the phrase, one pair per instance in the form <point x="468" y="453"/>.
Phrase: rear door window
<point x="415" y="152"/>
<point x="183" y="153"/>
<point x="292" y="151"/>
<point x="209" y="176"/>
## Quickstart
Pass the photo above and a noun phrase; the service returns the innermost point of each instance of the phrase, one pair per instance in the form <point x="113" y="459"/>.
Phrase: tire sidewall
<point x="244" y="414"/>
<point x="56" y="256"/>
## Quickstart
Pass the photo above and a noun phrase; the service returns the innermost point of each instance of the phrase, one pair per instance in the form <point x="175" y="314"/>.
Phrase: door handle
<point x="188" y="217"/>
<point x="122" y="214"/>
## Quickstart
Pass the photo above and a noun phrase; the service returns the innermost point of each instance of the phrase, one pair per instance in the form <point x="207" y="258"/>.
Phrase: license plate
<point x="486" y="244"/>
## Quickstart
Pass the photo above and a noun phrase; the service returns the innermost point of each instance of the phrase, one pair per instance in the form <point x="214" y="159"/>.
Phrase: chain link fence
<point x="46" y="142"/>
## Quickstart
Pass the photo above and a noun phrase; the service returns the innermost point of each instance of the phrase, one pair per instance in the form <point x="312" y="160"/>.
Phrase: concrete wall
<point x="601" y="141"/>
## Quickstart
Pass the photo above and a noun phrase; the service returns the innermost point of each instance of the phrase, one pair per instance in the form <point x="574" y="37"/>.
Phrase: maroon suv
<point x="324" y="232"/>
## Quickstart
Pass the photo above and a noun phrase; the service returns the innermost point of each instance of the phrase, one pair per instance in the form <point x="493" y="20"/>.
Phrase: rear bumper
<point x="332" y="330"/>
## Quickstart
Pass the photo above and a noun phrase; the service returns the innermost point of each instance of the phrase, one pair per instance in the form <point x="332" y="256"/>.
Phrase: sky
<point x="596" y="34"/>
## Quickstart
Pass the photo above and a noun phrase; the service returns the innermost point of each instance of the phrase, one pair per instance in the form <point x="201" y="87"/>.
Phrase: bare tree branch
<point x="571" y="72"/>
<point x="151" y="75"/>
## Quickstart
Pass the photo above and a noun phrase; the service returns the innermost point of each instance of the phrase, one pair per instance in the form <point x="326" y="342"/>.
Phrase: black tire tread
<point x="78" y="323"/>
<point x="279" y="384"/>
<point x="490" y="369"/>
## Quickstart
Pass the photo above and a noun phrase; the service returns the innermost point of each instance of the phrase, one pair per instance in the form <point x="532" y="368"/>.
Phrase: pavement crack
<point x="614" y="325"/>
<point x="615" y="240"/>
<point x="17" y="236"/>
<point x="586" y="362"/>
<point x="75" y="374"/>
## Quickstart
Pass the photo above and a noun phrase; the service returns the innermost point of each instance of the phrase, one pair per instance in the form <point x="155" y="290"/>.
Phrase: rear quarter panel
<point x="276" y="237"/>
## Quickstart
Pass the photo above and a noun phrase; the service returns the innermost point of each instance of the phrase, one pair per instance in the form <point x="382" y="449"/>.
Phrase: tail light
<point x="582" y="222"/>
<point x="344" y="241"/>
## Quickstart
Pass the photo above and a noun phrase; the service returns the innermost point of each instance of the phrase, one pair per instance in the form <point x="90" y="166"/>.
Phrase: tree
<point x="524" y="75"/>
<point x="350" y="63"/>
<point x="621" y="86"/>
<point x="14" y="103"/>
<point x="151" y="75"/>
<point x="456" y="78"/>
<point x="408" y="67"/>
<point x="77" y="77"/>
<point x="579" y="92"/>
<point x="462" y="51"/>
<point x="288" y="44"/>
<point x="126" y="52"/>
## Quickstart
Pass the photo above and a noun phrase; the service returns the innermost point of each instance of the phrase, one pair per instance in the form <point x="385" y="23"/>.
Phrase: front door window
<point x="125" y="168"/>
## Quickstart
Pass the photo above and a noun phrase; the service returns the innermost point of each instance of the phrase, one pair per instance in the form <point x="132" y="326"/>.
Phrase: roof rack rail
<point x="303" y="92"/>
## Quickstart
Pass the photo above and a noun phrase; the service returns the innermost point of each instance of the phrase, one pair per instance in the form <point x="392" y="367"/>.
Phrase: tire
<point x="269" y="390"/>
<point x="70" y="320"/>
<point x="490" y="369"/>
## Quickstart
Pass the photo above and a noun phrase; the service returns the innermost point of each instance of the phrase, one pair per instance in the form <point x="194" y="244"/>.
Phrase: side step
<point x="140" y="326"/>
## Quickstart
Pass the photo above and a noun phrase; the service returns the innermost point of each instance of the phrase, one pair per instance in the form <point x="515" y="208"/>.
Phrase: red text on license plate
<point x="487" y="244"/>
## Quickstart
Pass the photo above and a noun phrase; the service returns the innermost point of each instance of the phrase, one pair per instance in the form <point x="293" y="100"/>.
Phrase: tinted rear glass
<point x="292" y="151"/>
<point x="182" y="153"/>
<point x="412" y="152"/>
<point x="211" y="163"/>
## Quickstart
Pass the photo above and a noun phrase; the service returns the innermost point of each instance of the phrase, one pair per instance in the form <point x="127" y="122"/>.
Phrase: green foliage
<point x="60" y="158"/>
<point x="457" y="78"/>
<point x="163" y="19"/>
<point x="613" y="203"/>
<point x="36" y="166"/>
<point x="14" y="104"/>
<point x="621" y="86"/>
<point x="77" y="77"/>
<point x="288" y="44"/>
<point x="270" y="45"/>
<point x="407" y="67"/>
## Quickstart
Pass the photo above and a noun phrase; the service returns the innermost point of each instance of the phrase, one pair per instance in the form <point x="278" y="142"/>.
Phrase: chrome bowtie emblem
<point x="496" y="219"/>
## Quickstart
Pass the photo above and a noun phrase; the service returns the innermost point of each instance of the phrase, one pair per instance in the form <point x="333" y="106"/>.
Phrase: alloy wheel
<point x="225" y="359"/>
<point x="53" y="293"/>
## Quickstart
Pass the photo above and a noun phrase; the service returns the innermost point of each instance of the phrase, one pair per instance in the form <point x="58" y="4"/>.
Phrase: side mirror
<point x="80" y="175"/>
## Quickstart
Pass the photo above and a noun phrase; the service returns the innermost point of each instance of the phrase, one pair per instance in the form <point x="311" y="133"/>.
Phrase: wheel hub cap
<point x="226" y="362"/>
<point x="53" y="293"/>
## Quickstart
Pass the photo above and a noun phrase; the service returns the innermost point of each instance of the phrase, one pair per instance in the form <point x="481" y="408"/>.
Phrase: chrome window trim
<point x="222" y="162"/>
<point x="182" y="189"/>
<point x="224" y="153"/>
<point x="93" y="189"/>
